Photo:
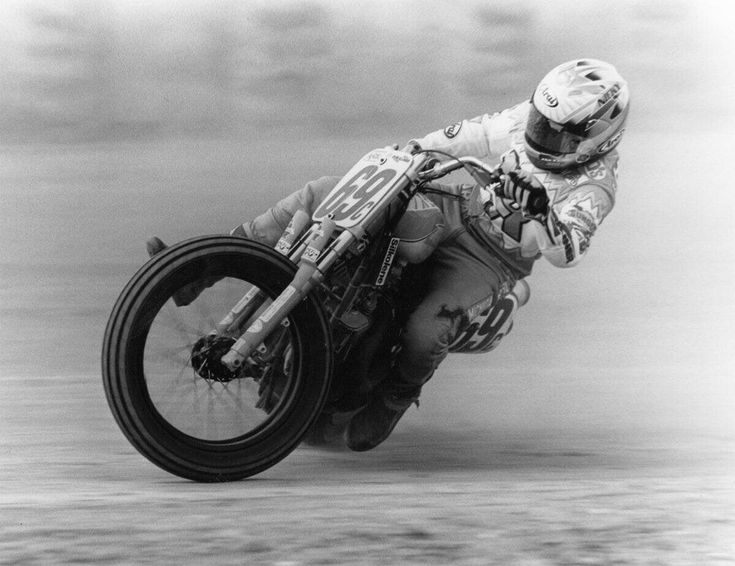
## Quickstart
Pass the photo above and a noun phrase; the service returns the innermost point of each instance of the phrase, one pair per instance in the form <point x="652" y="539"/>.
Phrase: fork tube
<point x="254" y="298"/>
<point x="243" y="310"/>
<point x="307" y="277"/>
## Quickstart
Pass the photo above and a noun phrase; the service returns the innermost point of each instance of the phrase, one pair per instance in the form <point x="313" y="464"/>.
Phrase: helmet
<point x="577" y="113"/>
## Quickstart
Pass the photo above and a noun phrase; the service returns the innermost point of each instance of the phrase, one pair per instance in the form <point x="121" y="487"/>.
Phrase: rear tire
<point x="203" y="429"/>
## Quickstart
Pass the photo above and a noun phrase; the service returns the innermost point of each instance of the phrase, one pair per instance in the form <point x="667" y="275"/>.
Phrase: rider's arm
<point x="571" y="224"/>
<point x="485" y="137"/>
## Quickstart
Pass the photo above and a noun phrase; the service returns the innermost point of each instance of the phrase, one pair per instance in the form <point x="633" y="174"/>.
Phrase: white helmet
<point x="578" y="113"/>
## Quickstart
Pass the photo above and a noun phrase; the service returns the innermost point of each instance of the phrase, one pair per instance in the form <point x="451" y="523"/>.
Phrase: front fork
<point x="254" y="299"/>
<point x="314" y="260"/>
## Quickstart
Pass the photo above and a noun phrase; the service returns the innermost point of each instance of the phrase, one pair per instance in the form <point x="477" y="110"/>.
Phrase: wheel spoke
<point x="203" y="408"/>
<point x="164" y="379"/>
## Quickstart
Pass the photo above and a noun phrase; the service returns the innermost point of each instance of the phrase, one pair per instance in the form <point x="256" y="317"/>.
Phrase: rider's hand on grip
<point x="523" y="189"/>
<point x="521" y="186"/>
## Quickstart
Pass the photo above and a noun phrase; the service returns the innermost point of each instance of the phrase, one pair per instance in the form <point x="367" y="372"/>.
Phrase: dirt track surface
<point x="73" y="491"/>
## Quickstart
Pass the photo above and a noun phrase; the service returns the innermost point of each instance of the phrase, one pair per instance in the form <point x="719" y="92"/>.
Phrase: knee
<point x="429" y="330"/>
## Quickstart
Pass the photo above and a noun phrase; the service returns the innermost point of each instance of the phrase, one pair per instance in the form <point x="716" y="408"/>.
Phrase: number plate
<point x="364" y="187"/>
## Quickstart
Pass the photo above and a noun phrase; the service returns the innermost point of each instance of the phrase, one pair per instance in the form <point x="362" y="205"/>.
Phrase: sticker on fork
<point x="278" y="303"/>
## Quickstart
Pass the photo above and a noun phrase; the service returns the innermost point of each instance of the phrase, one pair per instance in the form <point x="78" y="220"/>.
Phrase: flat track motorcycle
<point x="222" y="355"/>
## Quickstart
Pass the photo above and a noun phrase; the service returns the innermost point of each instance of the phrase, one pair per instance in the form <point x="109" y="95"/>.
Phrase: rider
<point x="557" y="154"/>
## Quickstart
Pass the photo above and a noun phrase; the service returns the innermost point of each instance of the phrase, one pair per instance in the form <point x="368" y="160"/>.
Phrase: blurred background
<point x="122" y="119"/>
<point x="83" y="71"/>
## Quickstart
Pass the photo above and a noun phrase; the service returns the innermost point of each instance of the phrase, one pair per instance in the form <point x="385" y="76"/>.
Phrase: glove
<point x="522" y="187"/>
<point x="519" y="186"/>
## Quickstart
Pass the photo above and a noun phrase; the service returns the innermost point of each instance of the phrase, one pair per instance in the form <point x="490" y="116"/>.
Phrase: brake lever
<point x="485" y="178"/>
<point x="490" y="185"/>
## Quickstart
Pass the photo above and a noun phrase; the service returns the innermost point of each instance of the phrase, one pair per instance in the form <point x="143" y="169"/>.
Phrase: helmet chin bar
<point x="549" y="161"/>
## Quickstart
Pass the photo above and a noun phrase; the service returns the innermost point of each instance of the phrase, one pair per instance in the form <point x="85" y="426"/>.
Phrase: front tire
<point x="196" y="427"/>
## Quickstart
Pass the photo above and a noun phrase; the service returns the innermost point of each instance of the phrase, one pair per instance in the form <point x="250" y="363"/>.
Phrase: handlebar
<point x="483" y="174"/>
<point x="488" y="178"/>
<point x="442" y="169"/>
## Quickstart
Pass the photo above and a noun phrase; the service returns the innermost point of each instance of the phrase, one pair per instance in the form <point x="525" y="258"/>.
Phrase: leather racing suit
<point x="480" y="253"/>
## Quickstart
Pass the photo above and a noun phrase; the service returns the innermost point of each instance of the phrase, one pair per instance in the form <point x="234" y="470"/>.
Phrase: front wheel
<point x="200" y="424"/>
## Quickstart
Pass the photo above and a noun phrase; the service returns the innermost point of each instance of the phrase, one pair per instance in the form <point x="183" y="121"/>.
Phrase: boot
<point x="373" y="424"/>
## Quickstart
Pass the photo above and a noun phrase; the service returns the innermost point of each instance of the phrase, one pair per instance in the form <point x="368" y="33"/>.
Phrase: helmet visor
<point x="548" y="136"/>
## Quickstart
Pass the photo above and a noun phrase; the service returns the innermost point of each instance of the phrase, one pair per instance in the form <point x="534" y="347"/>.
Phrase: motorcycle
<point x="221" y="355"/>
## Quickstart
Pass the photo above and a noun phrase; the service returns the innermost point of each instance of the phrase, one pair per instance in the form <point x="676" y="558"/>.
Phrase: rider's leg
<point x="265" y="228"/>
<point x="464" y="279"/>
<point x="268" y="227"/>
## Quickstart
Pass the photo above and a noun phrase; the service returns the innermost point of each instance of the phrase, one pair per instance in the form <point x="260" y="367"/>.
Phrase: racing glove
<point x="522" y="187"/>
<point x="519" y="186"/>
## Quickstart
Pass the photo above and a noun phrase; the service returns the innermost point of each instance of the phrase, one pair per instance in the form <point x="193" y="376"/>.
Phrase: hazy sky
<point x="78" y="70"/>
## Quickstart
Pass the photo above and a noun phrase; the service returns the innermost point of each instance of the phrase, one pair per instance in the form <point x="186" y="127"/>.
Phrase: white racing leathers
<point x="483" y="251"/>
<point x="580" y="198"/>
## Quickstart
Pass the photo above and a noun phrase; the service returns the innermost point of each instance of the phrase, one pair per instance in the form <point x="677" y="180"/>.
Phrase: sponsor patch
<point x="612" y="93"/>
<point x="453" y="130"/>
<point x="311" y="254"/>
<point x="596" y="170"/>
<point x="583" y="239"/>
<point x="548" y="96"/>
<point x="585" y="206"/>
<point x="275" y="305"/>
<point x="583" y="219"/>
<point x="568" y="245"/>
<point x="571" y="177"/>
<point x="387" y="261"/>
<point x="611" y="143"/>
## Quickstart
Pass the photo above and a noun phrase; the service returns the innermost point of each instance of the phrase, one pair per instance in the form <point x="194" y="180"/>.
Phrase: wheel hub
<point x="206" y="356"/>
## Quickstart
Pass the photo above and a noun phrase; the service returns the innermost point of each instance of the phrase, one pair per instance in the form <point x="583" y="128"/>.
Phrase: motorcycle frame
<point x="317" y="250"/>
<point x="315" y="253"/>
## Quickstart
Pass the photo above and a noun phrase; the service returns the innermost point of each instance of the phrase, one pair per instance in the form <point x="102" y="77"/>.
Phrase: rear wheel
<point x="173" y="402"/>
